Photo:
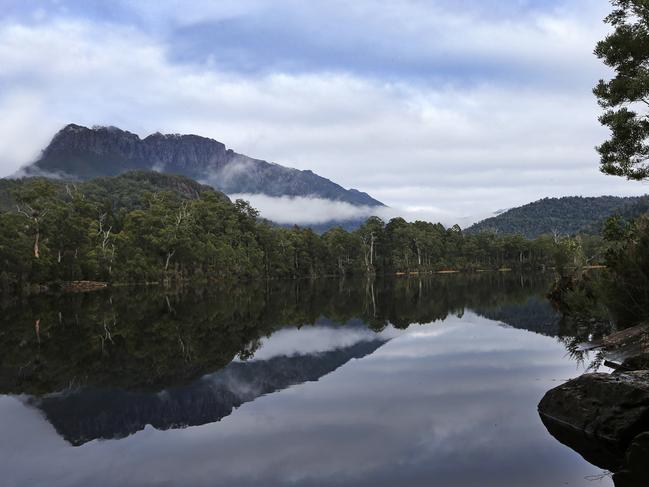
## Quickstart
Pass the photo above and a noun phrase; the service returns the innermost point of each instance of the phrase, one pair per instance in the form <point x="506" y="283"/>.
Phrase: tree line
<point x="152" y="227"/>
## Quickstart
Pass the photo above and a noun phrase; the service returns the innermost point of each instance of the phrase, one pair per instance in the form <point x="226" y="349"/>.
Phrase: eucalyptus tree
<point x="625" y="97"/>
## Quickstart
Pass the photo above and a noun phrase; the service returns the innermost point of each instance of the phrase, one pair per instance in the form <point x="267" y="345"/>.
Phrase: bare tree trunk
<point x="35" y="217"/>
<point x="37" y="252"/>
<point x="169" y="256"/>
<point x="368" y="252"/>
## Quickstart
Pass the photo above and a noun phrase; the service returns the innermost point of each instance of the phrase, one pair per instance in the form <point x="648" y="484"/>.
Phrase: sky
<point x="442" y="109"/>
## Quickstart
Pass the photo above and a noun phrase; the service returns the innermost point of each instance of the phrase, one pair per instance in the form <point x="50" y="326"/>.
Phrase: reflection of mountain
<point x="89" y="413"/>
<point x="535" y="315"/>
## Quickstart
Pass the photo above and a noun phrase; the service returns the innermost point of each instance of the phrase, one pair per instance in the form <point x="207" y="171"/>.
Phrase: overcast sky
<point x="447" y="107"/>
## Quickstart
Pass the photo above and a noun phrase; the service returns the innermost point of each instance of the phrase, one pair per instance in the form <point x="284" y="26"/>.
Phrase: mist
<point x="312" y="210"/>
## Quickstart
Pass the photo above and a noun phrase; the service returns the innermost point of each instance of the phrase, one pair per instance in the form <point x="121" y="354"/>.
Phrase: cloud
<point x="515" y="42"/>
<point x="465" y="141"/>
<point x="41" y="173"/>
<point x="509" y="40"/>
<point x="311" y="340"/>
<point x="303" y="210"/>
<point x="229" y="174"/>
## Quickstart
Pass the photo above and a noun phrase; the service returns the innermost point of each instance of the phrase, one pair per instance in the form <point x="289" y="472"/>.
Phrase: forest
<point x="145" y="227"/>
<point x="568" y="215"/>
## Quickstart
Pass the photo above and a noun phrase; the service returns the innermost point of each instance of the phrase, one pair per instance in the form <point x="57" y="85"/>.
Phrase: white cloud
<point x="303" y="210"/>
<point x="313" y="210"/>
<point x="317" y="339"/>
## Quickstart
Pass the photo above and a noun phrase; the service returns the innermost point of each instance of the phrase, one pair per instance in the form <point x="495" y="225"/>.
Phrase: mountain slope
<point x="81" y="153"/>
<point x="566" y="216"/>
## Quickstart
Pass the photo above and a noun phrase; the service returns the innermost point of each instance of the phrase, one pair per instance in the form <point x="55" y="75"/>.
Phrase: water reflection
<point x="149" y="339"/>
<point x="419" y="382"/>
<point x="88" y="413"/>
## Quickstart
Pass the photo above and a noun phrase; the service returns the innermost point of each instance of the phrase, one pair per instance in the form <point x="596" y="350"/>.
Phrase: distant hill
<point x="81" y="153"/>
<point x="630" y="211"/>
<point x="634" y="209"/>
<point x="565" y="216"/>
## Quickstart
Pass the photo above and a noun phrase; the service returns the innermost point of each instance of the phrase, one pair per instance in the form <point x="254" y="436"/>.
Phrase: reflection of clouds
<point x="313" y="339"/>
<point x="453" y="407"/>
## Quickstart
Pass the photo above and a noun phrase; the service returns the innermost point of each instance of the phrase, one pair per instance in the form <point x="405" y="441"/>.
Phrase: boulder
<point x="599" y="415"/>
<point x="637" y="362"/>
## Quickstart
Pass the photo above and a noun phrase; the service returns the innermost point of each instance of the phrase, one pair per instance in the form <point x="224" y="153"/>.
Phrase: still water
<point x="404" y="381"/>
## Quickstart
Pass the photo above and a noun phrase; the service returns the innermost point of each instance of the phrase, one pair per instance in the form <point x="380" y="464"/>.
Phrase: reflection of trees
<point x="575" y="334"/>
<point x="149" y="338"/>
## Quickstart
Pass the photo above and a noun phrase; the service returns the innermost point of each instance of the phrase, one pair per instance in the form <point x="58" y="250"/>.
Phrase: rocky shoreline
<point x="605" y="416"/>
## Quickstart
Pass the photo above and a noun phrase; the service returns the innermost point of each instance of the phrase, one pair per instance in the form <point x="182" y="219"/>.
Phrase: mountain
<point x="566" y="216"/>
<point x="81" y="153"/>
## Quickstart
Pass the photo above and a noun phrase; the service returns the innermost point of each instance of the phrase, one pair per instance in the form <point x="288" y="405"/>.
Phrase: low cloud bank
<point x="311" y="210"/>
<point x="34" y="172"/>
<point x="303" y="210"/>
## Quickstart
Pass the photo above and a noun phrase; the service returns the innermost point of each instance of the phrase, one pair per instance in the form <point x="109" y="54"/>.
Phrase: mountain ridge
<point x="79" y="152"/>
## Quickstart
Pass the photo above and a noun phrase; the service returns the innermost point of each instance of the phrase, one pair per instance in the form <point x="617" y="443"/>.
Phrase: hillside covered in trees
<point x="556" y="216"/>
<point x="152" y="227"/>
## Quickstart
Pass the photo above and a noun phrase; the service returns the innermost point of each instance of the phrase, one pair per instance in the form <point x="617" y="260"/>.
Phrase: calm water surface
<point x="430" y="381"/>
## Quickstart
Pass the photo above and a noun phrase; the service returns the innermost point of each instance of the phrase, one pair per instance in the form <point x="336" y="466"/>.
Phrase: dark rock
<point x="598" y="415"/>
<point x="628" y="342"/>
<point x="637" y="362"/>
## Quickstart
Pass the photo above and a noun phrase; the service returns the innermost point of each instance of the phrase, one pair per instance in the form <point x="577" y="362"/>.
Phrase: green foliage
<point x="619" y="294"/>
<point x="623" y="291"/>
<point x="627" y="292"/>
<point x="625" y="96"/>
<point x="556" y="216"/>
<point x="149" y="227"/>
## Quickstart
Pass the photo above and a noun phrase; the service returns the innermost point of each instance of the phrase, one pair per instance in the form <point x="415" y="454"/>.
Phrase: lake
<point x="405" y="381"/>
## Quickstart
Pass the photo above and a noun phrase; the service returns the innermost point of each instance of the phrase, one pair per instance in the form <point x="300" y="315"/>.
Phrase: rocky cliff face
<point x="78" y="152"/>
